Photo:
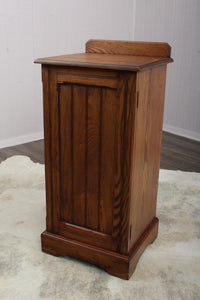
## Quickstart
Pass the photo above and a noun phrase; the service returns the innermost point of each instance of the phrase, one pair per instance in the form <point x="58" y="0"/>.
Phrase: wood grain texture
<point x="86" y="235"/>
<point x="146" y="149"/>
<point x="146" y="238"/>
<point x="93" y="152"/>
<point x="88" y="80"/>
<point x="104" y="155"/>
<point x="105" y="61"/>
<point x="65" y="129"/>
<point x="114" y="263"/>
<point x="84" y="120"/>
<point x="47" y="146"/>
<point x="128" y="48"/>
<point x="55" y="149"/>
<point x="87" y="72"/>
<point x="79" y="153"/>
<point x="124" y="160"/>
<point x="107" y="164"/>
<point x="92" y="138"/>
<point x="119" y="155"/>
<point x="105" y="135"/>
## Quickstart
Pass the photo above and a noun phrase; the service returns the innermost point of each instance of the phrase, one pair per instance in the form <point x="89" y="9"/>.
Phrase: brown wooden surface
<point x="91" y="73"/>
<point x="79" y="153"/>
<point x="103" y="153"/>
<point x="107" y="160"/>
<point x="74" y="170"/>
<point x="128" y="48"/>
<point x="47" y="147"/>
<point x="114" y="263"/>
<point x="86" y="235"/>
<point x="146" y="149"/>
<point x="125" y="134"/>
<point x="147" y="237"/>
<point x="66" y="127"/>
<point x="119" y="182"/>
<point x="120" y="127"/>
<point x="93" y="154"/>
<point x="105" y="61"/>
<point x="82" y="179"/>
<point x="53" y="133"/>
<point x="88" y="80"/>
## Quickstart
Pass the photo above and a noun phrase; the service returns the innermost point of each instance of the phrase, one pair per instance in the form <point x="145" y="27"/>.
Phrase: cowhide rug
<point x="168" y="269"/>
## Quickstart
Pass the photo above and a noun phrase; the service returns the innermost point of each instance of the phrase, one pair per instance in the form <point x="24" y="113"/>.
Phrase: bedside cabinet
<point x="103" y="115"/>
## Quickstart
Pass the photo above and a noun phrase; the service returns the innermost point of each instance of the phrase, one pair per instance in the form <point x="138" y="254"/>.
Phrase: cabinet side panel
<point x="79" y="153"/>
<point x="65" y="111"/>
<point x="93" y="145"/>
<point x="146" y="149"/>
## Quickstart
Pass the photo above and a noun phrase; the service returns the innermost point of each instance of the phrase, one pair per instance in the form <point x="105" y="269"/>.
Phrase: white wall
<point x="178" y="23"/>
<point x="35" y="28"/>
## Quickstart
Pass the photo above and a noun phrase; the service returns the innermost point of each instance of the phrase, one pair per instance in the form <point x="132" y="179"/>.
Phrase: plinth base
<point x="114" y="263"/>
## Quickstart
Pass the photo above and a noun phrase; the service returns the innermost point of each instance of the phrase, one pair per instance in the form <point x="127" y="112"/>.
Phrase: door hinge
<point x="130" y="231"/>
<point x="137" y="99"/>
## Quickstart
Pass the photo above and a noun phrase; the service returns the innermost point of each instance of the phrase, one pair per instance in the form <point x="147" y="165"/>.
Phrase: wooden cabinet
<point x="103" y="113"/>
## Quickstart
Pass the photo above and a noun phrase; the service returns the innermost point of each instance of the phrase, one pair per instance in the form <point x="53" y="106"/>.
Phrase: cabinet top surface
<point x="105" y="61"/>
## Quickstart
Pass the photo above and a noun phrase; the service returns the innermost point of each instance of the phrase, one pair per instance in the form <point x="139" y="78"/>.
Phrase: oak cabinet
<point x="103" y="113"/>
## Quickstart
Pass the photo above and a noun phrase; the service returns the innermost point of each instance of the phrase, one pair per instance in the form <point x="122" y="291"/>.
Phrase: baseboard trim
<point x="192" y="135"/>
<point x="22" y="139"/>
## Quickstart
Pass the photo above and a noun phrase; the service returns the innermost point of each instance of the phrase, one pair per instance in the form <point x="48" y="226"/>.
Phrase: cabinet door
<point x="89" y="147"/>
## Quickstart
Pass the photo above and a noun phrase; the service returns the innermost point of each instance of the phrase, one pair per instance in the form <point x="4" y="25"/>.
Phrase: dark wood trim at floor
<point x="178" y="153"/>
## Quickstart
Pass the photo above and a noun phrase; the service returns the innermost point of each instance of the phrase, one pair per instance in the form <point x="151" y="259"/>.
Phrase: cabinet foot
<point x="114" y="263"/>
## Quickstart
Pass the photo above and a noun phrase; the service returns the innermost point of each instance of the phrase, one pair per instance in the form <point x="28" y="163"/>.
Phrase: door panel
<point x="87" y="139"/>
<point x="85" y="119"/>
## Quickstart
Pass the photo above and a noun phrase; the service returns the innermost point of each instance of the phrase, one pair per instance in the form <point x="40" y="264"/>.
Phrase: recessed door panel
<point x="87" y="134"/>
<point x="87" y="117"/>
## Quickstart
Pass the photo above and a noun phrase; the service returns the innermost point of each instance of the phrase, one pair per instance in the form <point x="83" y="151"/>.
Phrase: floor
<point x="168" y="270"/>
<point x="178" y="153"/>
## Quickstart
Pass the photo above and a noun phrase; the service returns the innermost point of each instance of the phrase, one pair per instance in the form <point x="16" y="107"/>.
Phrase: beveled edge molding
<point x="114" y="263"/>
